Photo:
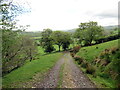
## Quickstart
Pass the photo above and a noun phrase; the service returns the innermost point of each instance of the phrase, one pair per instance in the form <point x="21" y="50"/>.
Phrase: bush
<point x="96" y="47"/>
<point x="105" y="62"/>
<point x="72" y="54"/>
<point x="104" y="75"/>
<point x="84" y="64"/>
<point x="90" y="69"/>
<point x="119" y="85"/>
<point x="76" y="49"/>
<point x="79" y="59"/>
<point x="16" y="50"/>
<point x="113" y="50"/>
<point x="49" y="48"/>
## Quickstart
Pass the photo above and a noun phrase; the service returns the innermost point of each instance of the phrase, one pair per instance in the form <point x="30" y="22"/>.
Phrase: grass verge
<point x="60" y="77"/>
<point x="16" y="78"/>
<point x="89" y="54"/>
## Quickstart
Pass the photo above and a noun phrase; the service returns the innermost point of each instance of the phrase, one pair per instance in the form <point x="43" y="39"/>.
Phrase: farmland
<point x="58" y="44"/>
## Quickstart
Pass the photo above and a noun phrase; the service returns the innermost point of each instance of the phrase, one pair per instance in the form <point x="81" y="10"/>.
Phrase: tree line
<point x="59" y="38"/>
<point x="84" y="35"/>
<point x="16" y="48"/>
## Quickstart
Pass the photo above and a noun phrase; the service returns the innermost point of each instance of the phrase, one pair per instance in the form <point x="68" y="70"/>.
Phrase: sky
<point x="67" y="14"/>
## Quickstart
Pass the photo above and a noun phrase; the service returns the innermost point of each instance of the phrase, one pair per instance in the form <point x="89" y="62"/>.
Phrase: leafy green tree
<point x="29" y="46"/>
<point x="58" y="38"/>
<point x="66" y="40"/>
<point x="79" y="35"/>
<point x="47" y="40"/>
<point x="62" y="39"/>
<point x="88" y="32"/>
<point x="14" y="46"/>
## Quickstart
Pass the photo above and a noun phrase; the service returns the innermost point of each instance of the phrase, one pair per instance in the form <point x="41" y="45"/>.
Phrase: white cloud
<point x="67" y="14"/>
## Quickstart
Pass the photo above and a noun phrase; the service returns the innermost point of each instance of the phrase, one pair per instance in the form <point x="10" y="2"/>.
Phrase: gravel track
<point x="73" y="77"/>
<point x="51" y="80"/>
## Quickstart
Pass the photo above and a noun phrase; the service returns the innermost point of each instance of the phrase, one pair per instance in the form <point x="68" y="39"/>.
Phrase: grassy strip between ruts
<point x="16" y="78"/>
<point x="60" y="77"/>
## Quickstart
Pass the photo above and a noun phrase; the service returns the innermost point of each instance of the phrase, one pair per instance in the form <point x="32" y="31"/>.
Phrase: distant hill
<point x="110" y="27"/>
<point x="33" y="34"/>
<point x="107" y="29"/>
<point x="70" y="30"/>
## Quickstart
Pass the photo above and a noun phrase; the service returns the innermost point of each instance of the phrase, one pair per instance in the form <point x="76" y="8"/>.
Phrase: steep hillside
<point x="101" y="63"/>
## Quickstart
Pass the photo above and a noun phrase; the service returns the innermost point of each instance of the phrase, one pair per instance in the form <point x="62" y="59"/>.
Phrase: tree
<point x="66" y="40"/>
<point x="47" y="40"/>
<point x="14" y="47"/>
<point x="58" y="38"/>
<point x="88" y="32"/>
<point x="29" y="47"/>
<point x="62" y="39"/>
<point x="79" y="35"/>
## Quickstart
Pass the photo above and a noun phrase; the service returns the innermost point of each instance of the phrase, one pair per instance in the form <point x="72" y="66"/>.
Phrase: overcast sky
<point x="67" y="14"/>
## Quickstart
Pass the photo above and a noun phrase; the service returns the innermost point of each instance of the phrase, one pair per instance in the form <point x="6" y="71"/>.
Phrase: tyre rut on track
<point x="73" y="77"/>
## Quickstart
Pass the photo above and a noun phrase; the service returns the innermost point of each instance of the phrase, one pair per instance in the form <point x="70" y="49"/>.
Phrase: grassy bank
<point x="26" y="73"/>
<point x="91" y="52"/>
<point x="101" y="78"/>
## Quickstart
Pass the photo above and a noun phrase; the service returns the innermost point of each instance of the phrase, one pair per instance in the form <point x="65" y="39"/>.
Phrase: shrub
<point x="105" y="62"/>
<point x="76" y="49"/>
<point x="105" y="54"/>
<point x="90" y="69"/>
<point x="72" y="54"/>
<point x="71" y="50"/>
<point x="49" y="48"/>
<point x="119" y="85"/>
<point x="104" y="75"/>
<point x="79" y="59"/>
<point x="113" y="50"/>
<point x="96" y="47"/>
<point x="84" y="64"/>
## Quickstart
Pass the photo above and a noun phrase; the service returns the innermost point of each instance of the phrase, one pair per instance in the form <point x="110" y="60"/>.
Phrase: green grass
<point x="27" y="71"/>
<point x="90" y="52"/>
<point x="36" y="37"/>
<point x="57" y="49"/>
<point x="60" y="77"/>
<point x="0" y="82"/>
<point x="41" y="50"/>
<point x="99" y="81"/>
<point x="102" y="82"/>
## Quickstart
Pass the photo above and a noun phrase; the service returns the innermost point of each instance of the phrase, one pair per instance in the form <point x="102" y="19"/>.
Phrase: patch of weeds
<point x="90" y="69"/>
<point x="84" y="64"/>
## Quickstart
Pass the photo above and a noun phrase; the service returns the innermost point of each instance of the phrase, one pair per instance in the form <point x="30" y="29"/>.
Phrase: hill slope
<point x="103" y="59"/>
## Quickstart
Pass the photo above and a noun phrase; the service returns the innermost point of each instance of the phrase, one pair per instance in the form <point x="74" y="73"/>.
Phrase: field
<point x="91" y="52"/>
<point x="28" y="72"/>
